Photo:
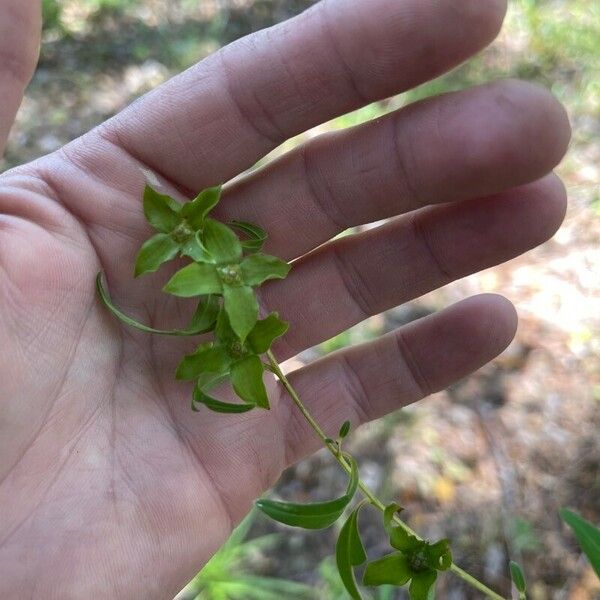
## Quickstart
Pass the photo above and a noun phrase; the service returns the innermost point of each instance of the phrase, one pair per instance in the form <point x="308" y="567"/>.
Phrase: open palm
<point x="109" y="485"/>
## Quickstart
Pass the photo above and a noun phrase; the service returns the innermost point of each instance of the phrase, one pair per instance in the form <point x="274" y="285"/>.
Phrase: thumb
<point x="20" y="34"/>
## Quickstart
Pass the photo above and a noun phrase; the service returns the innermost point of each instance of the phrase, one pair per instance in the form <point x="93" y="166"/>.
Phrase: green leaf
<point x="223" y="332"/>
<point x="205" y="383"/>
<point x="159" y="249"/>
<point x="309" y="516"/>
<point x="257" y="268"/>
<point x="195" y="210"/>
<point x="161" y="211"/>
<point x="438" y="555"/>
<point x="350" y="552"/>
<point x="206" y="359"/>
<point x="312" y="516"/>
<point x="265" y="332"/>
<point x="421" y="585"/>
<point x="392" y="569"/>
<point x="201" y="397"/>
<point x="587" y="534"/>
<point x="197" y="326"/>
<point x="344" y="430"/>
<point x="247" y="381"/>
<point x="353" y="481"/>
<point x="518" y="577"/>
<point x="399" y="537"/>
<point x="194" y="248"/>
<point x="194" y="280"/>
<point x="404" y="541"/>
<point x="242" y="309"/>
<point x="206" y="314"/>
<point x="256" y="235"/>
<point x="221" y="242"/>
<point x="388" y="515"/>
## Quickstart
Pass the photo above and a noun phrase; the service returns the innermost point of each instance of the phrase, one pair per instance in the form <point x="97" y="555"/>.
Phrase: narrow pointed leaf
<point x="223" y="407"/>
<point x="194" y="248"/>
<point x="344" y="430"/>
<point x="242" y="309"/>
<point x="388" y="515"/>
<point x="161" y="211"/>
<point x="354" y="477"/>
<point x="205" y="317"/>
<point x="421" y="585"/>
<point x="221" y="242"/>
<point x="349" y="553"/>
<point x="439" y="556"/>
<point x="257" y="268"/>
<point x="265" y="332"/>
<point x="247" y="381"/>
<point x="223" y="331"/>
<point x="196" y="327"/>
<point x="205" y="383"/>
<point x="518" y="577"/>
<point x="399" y="537"/>
<point x="308" y="516"/>
<point x="392" y="569"/>
<point x="206" y="359"/>
<point x="256" y="235"/>
<point x="201" y="397"/>
<point x="587" y="534"/>
<point x="195" y="210"/>
<point x="159" y="249"/>
<point x="194" y="280"/>
<point x="312" y="516"/>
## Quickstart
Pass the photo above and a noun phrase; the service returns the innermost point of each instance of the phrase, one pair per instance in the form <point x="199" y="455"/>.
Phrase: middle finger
<point x="451" y="148"/>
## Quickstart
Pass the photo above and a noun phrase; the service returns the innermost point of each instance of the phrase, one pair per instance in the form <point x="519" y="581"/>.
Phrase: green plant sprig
<point x="369" y="495"/>
<point x="223" y="274"/>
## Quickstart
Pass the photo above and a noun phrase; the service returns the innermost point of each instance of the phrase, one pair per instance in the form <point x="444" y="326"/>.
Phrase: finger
<point x="349" y="279"/>
<point x="219" y="117"/>
<point x="458" y="146"/>
<point x="20" y="30"/>
<point x="449" y="148"/>
<point x="370" y="380"/>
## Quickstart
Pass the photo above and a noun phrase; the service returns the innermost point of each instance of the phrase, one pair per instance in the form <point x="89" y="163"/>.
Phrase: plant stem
<point x="336" y="453"/>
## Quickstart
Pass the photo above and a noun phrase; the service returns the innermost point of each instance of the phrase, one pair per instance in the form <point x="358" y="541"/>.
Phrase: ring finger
<point x="346" y="280"/>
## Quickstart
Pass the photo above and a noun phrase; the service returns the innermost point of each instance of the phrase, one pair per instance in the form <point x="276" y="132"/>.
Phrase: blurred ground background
<point x="486" y="463"/>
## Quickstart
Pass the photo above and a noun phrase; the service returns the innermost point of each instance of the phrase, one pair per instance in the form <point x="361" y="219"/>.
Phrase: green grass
<point x="228" y="575"/>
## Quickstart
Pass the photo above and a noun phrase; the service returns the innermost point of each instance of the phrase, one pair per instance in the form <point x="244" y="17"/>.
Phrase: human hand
<point x="109" y="485"/>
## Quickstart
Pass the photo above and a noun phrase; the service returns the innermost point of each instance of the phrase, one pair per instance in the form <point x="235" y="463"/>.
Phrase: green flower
<point x="417" y="561"/>
<point x="228" y="357"/>
<point x="224" y="270"/>
<point x="179" y="227"/>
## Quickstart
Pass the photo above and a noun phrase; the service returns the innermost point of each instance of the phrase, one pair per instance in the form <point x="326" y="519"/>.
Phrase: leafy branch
<point x="226" y="266"/>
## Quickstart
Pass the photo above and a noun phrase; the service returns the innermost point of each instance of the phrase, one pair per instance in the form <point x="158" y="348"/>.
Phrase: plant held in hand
<point x="226" y="267"/>
<point x="224" y="272"/>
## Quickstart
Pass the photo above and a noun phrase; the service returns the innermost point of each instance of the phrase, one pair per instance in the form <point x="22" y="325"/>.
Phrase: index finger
<point x="219" y="117"/>
<point x="20" y="28"/>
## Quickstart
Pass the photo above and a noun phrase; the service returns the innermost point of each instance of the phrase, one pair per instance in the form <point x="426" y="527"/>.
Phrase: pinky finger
<point x="370" y="380"/>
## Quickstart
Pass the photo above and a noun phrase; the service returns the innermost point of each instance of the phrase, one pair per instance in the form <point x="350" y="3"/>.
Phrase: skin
<point x="109" y="485"/>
